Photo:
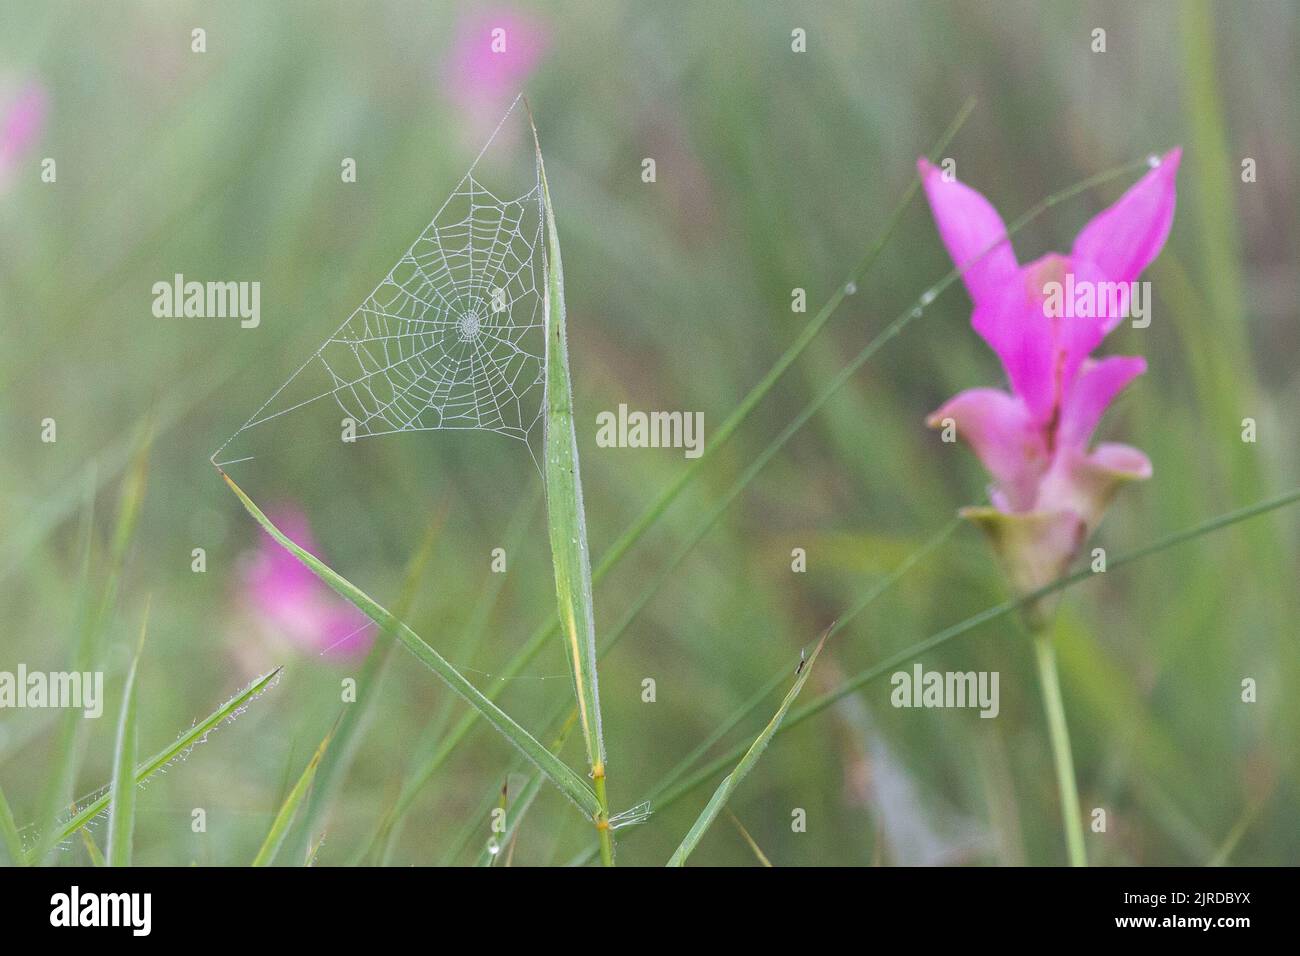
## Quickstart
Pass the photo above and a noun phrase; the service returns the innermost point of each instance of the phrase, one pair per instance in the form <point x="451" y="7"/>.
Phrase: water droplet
<point x="493" y="847"/>
<point x="1153" y="160"/>
<point x="850" y="288"/>
<point x="927" y="297"/>
<point x="916" y="313"/>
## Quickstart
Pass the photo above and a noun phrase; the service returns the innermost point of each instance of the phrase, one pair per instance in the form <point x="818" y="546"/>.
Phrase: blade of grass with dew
<point x="566" y="517"/>
<point x="335" y="766"/>
<point x="560" y="773"/>
<point x="275" y="836"/>
<point x="747" y="762"/>
<point x="861" y="679"/>
<point x="121" y="816"/>
<point x="12" y="841"/>
<point x="183" y="744"/>
<point x="539" y="638"/>
<point x="719" y="437"/>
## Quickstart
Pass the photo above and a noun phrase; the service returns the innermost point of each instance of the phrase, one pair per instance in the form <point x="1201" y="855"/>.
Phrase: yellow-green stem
<point x="1061" y="753"/>
<point x="602" y="821"/>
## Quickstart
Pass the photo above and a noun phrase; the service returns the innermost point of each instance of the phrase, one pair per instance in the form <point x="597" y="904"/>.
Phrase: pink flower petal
<point x="969" y="225"/>
<point x="1003" y="434"/>
<point x="1085" y="484"/>
<point x="1011" y="321"/>
<point x="1092" y="392"/>
<point x="1124" y="239"/>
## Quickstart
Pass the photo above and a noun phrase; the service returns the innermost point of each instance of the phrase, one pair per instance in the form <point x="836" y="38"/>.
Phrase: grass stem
<point x="1062" y="756"/>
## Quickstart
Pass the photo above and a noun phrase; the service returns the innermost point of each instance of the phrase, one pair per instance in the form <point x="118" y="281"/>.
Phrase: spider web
<point x="451" y="338"/>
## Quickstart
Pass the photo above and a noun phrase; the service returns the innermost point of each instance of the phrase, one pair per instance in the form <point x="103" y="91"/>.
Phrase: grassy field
<point x="774" y="170"/>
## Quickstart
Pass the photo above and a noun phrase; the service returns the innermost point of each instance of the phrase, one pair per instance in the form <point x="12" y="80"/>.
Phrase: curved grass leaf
<point x="747" y="762"/>
<point x="562" y="775"/>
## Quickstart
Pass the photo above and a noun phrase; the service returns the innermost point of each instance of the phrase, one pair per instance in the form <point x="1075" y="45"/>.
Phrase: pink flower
<point x="22" y="118"/>
<point x="492" y="56"/>
<point x="292" y="603"/>
<point x="1043" y="320"/>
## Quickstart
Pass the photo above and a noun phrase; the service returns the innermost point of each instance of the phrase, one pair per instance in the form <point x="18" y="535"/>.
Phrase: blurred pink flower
<point x="293" y="603"/>
<point x="1043" y="320"/>
<point x="22" y="118"/>
<point x="494" y="52"/>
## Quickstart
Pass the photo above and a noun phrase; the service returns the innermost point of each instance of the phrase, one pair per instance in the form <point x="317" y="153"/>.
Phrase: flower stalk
<point x="1062" y="755"/>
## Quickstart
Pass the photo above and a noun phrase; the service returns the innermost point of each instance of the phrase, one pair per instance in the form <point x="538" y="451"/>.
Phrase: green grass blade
<point x="275" y="837"/>
<point x="747" y="762"/>
<point x="12" y="841"/>
<point x="121" y="818"/>
<point x="562" y="775"/>
<point x="92" y="850"/>
<point x="566" y="517"/>
<point x="749" y="840"/>
<point x="183" y="744"/>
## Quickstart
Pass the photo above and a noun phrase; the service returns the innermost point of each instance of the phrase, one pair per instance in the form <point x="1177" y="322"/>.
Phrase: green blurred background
<point x="775" y="171"/>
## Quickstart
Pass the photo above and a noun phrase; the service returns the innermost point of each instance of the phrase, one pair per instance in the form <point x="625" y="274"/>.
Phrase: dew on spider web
<point x="452" y="336"/>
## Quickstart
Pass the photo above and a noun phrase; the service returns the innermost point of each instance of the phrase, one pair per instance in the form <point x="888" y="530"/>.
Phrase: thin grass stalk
<point x="1062" y="756"/>
<point x="279" y="830"/>
<point x="747" y="762"/>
